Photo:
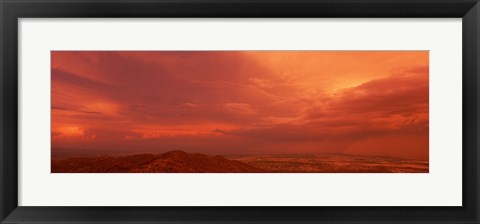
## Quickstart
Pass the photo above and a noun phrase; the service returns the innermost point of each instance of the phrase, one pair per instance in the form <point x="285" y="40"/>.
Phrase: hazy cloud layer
<point x="373" y="103"/>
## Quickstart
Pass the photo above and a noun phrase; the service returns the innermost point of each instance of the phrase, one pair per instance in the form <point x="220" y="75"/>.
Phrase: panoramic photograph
<point x="240" y="111"/>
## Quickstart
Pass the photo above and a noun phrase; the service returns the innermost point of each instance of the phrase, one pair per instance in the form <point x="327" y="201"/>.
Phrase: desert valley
<point x="178" y="161"/>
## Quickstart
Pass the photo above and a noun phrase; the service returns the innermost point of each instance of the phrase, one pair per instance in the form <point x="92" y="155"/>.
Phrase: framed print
<point x="247" y="112"/>
<point x="141" y="125"/>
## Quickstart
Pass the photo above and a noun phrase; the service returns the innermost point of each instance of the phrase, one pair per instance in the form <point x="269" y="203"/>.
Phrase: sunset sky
<point x="229" y="102"/>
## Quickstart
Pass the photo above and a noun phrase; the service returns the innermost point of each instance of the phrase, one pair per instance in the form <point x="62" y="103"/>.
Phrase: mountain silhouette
<point x="176" y="161"/>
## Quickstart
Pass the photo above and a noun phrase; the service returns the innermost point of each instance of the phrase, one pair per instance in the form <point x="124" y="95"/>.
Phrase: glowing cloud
<point x="361" y="102"/>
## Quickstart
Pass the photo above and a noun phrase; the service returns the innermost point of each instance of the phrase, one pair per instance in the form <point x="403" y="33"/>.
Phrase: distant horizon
<point x="137" y="152"/>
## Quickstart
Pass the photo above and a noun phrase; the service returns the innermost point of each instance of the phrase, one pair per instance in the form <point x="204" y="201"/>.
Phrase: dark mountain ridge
<point x="176" y="161"/>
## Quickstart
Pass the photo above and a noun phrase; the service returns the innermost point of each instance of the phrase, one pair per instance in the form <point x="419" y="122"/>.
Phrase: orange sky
<point x="360" y="102"/>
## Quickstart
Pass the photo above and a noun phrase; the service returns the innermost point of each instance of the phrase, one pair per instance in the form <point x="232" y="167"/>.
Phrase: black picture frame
<point x="12" y="10"/>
